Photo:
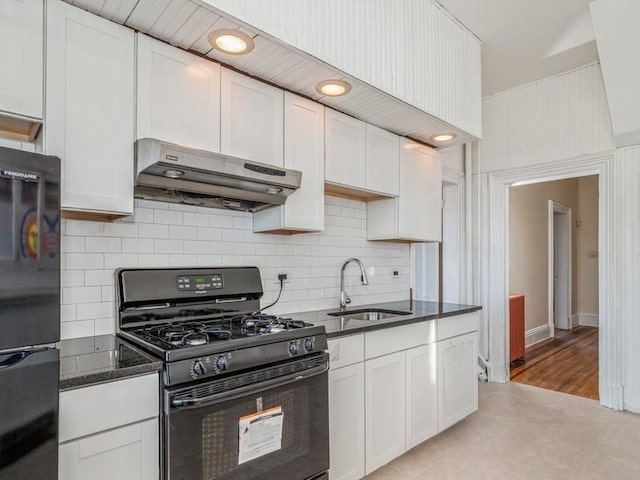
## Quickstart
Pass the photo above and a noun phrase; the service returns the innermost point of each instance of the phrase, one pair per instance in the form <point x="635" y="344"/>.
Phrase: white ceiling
<point x="527" y="40"/>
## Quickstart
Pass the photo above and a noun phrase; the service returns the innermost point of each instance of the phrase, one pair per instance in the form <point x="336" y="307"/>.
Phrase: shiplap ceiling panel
<point x="145" y="13"/>
<point x="175" y="15"/>
<point x="187" y="23"/>
<point x="196" y="27"/>
<point x="118" y="10"/>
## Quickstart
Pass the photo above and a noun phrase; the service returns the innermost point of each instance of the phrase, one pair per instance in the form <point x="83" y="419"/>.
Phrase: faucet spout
<point x="344" y="298"/>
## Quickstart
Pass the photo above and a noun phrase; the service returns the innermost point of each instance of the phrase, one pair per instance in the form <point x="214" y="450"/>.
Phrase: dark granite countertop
<point x="420" y="311"/>
<point x="91" y="360"/>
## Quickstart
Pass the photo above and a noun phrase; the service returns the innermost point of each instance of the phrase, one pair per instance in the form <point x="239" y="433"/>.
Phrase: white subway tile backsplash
<point x="94" y="278"/>
<point x="167" y="217"/>
<point x="115" y="260"/>
<point x="182" y="233"/>
<point x="79" y="295"/>
<point x="72" y="244"/>
<point x="72" y="278"/>
<point x="83" y="261"/>
<point x="146" y="230"/>
<point x="103" y="244"/>
<point x="83" y="228"/>
<point x="196" y="219"/>
<point x="163" y="235"/>
<point x="89" y="311"/>
<point x="118" y="229"/>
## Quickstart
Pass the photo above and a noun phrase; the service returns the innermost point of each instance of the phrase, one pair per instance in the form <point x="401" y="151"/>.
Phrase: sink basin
<point x="369" y="314"/>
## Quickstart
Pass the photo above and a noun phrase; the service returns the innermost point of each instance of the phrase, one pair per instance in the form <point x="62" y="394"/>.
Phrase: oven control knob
<point x="221" y="363"/>
<point x="293" y="348"/>
<point x="198" y="368"/>
<point x="308" y="344"/>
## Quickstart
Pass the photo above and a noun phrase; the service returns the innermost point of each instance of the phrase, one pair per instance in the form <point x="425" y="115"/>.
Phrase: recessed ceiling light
<point x="443" y="137"/>
<point x="333" y="88"/>
<point x="233" y="42"/>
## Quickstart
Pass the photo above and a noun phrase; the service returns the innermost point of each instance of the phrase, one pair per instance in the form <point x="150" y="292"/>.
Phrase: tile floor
<point x="524" y="432"/>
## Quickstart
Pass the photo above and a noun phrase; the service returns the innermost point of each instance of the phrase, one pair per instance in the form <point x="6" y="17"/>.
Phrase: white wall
<point x="557" y="118"/>
<point x="444" y="81"/>
<point x="514" y="141"/>
<point x="161" y="234"/>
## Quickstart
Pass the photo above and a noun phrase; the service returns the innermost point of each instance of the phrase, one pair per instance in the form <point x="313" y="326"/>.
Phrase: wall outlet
<point x="282" y="277"/>
<point x="395" y="273"/>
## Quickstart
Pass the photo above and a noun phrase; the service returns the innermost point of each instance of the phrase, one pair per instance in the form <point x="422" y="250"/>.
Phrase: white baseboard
<point x="586" y="319"/>
<point x="536" y="334"/>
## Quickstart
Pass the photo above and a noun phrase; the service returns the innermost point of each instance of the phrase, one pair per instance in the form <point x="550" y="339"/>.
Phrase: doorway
<point x="550" y="267"/>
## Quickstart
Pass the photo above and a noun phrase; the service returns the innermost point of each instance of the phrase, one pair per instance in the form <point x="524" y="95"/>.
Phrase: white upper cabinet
<point x="178" y="96"/>
<point x="345" y="143"/>
<point x="416" y="215"/>
<point x="21" y="46"/>
<point x="303" y="150"/>
<point x="361" y="160"/>
<point x="21" y="57"/>
<point x="251" y="119"/>
<point x="383" y="160"/>
<point x="90" y="108"/>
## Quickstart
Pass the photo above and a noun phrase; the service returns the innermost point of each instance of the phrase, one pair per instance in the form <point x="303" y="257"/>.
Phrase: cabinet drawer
<point x="457" y="325"/>
<point x="395" y="339"/>
<point x="345" y="351"/>
<point x="94" y="409"/>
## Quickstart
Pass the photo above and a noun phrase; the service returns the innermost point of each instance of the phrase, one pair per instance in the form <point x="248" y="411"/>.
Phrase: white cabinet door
<point x="457" y="379"/>
<point x="416" y="214"/>
<point x="178" y="96"/>
<point x="383" y="160"/>
<point x="251" y="119"/>
<point x="345" y="160"/>
<point x="420" y="201"/>
<point x="21" y="46"/>
<point x="304" y="151"/>
<point x="422" y="394"/>
<point x="125" y="453"/>
<point x="90" y="108"/>
<point x="346" y="422"/>
<point x="385" y="409"/>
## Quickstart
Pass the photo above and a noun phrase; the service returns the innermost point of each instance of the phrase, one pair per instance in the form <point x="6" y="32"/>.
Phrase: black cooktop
<point x="196" y="329"/>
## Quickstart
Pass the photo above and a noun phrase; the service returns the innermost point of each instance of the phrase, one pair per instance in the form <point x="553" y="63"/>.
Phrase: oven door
<point x="266" y="424"/>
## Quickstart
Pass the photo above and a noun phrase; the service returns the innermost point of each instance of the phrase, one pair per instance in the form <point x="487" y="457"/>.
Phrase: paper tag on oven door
<point x="259" y="433"/>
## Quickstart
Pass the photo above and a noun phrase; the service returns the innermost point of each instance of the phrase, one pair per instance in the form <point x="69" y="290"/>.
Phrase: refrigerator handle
<point x="13" y="359"/>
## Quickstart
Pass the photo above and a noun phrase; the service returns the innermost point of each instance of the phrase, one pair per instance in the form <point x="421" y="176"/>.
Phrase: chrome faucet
<point x="344" y="298"/>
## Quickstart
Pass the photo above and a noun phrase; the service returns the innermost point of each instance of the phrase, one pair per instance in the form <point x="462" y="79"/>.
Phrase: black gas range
<point x="226" y="362"/>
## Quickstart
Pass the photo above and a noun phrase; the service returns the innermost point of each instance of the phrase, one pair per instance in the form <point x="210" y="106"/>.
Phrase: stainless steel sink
<point x="369" y="314"/>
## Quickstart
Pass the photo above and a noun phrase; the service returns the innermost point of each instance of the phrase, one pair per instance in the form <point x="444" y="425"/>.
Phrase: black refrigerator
<point x="29" y="314"/>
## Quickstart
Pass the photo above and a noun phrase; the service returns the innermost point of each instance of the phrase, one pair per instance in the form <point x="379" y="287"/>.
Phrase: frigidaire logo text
<point x="22" y="175"/>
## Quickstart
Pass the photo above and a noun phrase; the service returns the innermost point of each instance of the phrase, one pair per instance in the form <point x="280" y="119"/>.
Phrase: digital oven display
<point x="199" y="282"/>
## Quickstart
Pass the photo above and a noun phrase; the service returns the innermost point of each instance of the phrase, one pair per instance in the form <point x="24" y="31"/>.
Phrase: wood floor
<point x="567" y="363"/>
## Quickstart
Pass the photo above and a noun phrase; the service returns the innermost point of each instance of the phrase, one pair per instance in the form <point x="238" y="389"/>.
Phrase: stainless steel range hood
<point x="173" y="173"/>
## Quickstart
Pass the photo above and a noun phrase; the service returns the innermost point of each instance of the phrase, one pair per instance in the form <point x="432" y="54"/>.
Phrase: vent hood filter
<point x="172" y="173"/>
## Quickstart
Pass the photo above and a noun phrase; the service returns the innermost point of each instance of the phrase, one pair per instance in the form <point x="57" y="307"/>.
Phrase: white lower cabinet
<point x="346" y="422"/>
<point x="457" y="382"/>
<point x="110" y="431"/>
<point x="125" y="453"/>
<point x="385" y="409"/>
<point x="392" y="389"/>
<point x="422" y="394"/>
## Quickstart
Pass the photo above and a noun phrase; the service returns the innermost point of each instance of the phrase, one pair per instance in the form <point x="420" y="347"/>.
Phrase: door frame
<point x="492" y="255"/>
<point x="553" y="209"/>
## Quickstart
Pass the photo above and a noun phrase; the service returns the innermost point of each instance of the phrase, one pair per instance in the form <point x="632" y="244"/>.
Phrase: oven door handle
<point x="178" y="403"/>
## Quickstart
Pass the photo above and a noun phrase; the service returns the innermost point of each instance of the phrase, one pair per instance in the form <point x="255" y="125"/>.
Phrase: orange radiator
<point x="516" y="326"/>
